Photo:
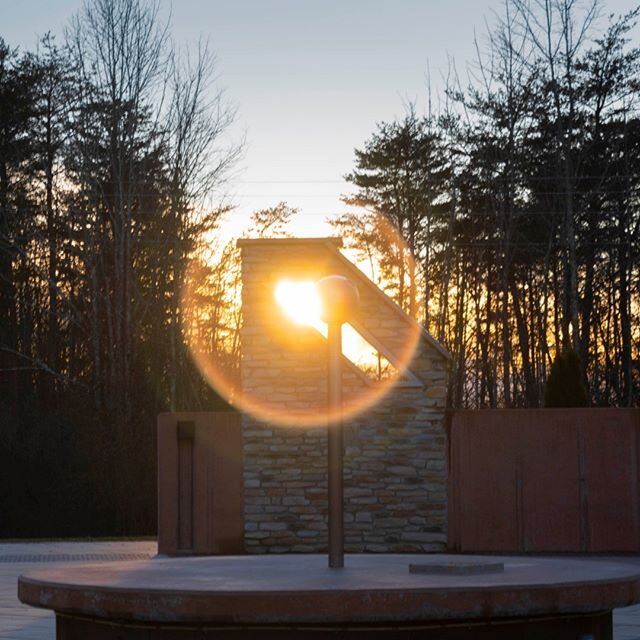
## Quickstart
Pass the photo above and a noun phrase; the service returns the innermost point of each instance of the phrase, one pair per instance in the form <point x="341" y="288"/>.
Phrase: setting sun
<point x="301" y="303"/>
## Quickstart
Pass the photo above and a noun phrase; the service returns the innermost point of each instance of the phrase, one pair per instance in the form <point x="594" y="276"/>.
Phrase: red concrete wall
<point x="200" y="485"/>
<point x="536" y="480"/>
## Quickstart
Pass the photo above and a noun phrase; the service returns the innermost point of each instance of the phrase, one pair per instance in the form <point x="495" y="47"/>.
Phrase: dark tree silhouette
<point x="564" y="386"/>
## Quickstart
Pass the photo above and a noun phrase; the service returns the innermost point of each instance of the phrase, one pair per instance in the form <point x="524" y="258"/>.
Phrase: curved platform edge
<point x="329" y="607"/>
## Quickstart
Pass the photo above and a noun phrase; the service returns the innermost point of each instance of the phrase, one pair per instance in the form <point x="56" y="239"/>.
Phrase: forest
<point x="513" y="205"/>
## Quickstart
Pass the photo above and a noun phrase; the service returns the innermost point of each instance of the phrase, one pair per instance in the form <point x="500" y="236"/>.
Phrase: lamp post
<point x="340" y="298"/>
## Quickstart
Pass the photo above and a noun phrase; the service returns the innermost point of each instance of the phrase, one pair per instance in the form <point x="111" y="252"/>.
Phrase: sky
<point x="310" y="80"/>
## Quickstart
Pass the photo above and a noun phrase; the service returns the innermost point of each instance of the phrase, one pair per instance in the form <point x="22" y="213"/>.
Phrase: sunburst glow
<point x="301" y="303"/>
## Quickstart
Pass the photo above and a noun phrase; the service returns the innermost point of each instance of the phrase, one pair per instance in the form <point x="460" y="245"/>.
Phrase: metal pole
<point x="336" y="449"/>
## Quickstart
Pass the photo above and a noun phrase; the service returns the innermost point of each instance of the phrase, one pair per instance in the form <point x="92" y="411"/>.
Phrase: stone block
<point x="273" y="526"/>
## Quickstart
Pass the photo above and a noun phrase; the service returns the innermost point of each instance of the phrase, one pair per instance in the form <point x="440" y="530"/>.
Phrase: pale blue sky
<point x="310" y="78"/>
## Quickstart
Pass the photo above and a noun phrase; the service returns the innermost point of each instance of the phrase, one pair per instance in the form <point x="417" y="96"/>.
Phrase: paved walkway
<point x="19" y="622"/>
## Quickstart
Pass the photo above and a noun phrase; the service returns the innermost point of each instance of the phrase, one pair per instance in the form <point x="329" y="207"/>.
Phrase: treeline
<point x="113" y="152"/>
<point x="516" y="205"/>
<point x="518" y="208"/>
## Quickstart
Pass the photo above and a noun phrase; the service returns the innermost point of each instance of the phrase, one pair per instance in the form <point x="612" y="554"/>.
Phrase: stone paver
<point x="20" y="622"/>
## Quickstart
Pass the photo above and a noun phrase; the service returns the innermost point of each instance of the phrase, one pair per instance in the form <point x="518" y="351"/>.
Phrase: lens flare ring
<point x="295" y="311"/>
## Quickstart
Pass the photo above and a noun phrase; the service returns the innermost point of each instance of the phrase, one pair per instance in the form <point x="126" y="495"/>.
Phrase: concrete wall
<point x="395" y="462"/>
<point x="543" y="480"/>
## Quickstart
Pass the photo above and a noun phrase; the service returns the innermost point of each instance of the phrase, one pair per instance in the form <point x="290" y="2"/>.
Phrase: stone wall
<point x="395" y="458"/>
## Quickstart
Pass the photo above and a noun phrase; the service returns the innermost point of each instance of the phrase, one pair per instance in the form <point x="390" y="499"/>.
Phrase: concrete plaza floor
<point x="20" y="622"/>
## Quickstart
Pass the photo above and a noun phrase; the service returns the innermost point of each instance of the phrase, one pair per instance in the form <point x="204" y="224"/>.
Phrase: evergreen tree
<point x="564" y="386"/>
<point x="401" y="176"/>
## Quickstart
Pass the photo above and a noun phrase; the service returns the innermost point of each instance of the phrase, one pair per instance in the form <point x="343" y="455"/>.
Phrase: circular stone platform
<point x="298" y="596"/>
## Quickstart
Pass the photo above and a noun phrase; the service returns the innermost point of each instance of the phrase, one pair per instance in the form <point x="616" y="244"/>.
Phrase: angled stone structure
<point x="395" y="452"/>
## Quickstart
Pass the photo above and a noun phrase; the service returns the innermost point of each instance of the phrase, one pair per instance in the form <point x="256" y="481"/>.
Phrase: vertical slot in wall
<point x="186" y="437"/>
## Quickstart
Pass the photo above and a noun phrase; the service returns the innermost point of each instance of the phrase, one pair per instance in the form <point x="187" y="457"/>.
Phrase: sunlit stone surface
<point x="395" y="462"/>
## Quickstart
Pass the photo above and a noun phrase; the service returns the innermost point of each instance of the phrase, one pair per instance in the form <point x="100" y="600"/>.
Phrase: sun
<point x="300" y="302"/>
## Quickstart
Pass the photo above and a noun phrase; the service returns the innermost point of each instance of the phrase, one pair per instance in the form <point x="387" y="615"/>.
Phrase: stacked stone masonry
<point x="395" y="452"/>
